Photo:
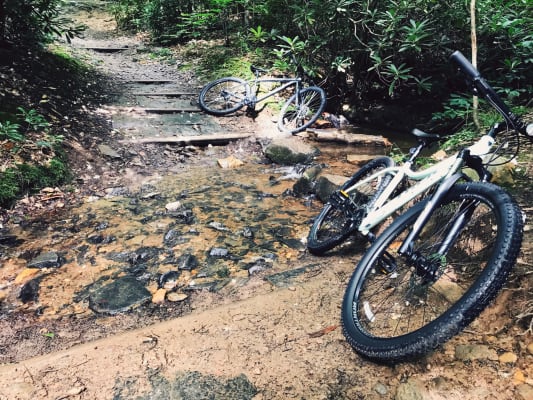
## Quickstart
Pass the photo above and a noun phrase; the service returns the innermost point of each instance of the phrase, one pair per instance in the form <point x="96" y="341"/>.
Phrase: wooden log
<point x="168" y="94"/>
<point x="337" y="135"/>
<point x="197" y="139"/>
<point x="171" y="110"/>
<point x="107" y="49"/>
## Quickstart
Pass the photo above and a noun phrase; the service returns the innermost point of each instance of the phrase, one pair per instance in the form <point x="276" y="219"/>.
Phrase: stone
<point x="470" y="352"/>
<point x="173" y="206"/>
<point x="410" y="390"/>
<point x="187" y="262"/>
<point x="25" y="275"/>
<point x="176" y="297"/>
<point x="159" y="296"/>
<point x="119" y="296"/>
<point x="289" y="151"/>
<point x="45" y="260"/>
<point x="327" y="184"/>
<point x="230" y="162"/>
<point x="530" y="348"/>
<point x="108" y="151"/>
<point x="508" y="357"/>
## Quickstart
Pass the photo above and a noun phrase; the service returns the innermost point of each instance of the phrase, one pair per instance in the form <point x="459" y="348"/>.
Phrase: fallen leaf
<point x="323" y="331"/>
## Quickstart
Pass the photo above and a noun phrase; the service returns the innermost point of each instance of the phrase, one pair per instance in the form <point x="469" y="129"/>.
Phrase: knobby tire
<point x="393" y="312"/>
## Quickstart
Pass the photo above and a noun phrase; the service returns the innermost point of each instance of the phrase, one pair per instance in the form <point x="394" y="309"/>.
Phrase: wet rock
<point x="119" y="296"/>
<point x="248" y="233"/>
<point x="49" y="259"/>
<point x="218" y="252"/>
<point x="168" y="279"/>
<point x="10" y="240"/>
<point x="327" y="184"/>
<point x="173" y="237"/>
<point x="185" y="217"/>
<point x="258" y="266"/>
<point x="303" y="187"/>
<point x="100" y="239"/>
<point x="218" y="226"/>
<point x="187" y="262"/>
<point x="290" y="151"/>
<point x="30" y="291"/>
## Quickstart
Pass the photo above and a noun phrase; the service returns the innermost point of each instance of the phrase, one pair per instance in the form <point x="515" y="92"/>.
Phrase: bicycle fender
<point x="422" y="219"/>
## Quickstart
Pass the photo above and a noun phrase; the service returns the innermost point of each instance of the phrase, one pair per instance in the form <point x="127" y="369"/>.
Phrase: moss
<point x="25" y="178"/>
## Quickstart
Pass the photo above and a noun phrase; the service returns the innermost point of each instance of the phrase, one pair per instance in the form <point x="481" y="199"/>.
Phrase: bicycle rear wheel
<point x="302" y="110"/>
<point x="335" y="223"/>
<point x="397" y="307"/>
<point x="224" y="96"/>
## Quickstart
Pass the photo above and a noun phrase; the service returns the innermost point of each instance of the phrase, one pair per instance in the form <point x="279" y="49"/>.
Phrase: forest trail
<point x="268" y="342"/>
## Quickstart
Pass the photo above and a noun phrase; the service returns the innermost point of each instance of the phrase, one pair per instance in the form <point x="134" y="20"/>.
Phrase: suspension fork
<point x="406" y="248"/>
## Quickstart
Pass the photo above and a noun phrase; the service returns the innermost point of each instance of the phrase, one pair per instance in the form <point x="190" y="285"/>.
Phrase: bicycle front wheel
<point x="224" y="96"/>
<point x="302" y="110"/>
<point x="400" y="307"/>
<point x="336" y="222"/>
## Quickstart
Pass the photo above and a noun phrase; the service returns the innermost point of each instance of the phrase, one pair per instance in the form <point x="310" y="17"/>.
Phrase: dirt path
<point x="268" y="342"/>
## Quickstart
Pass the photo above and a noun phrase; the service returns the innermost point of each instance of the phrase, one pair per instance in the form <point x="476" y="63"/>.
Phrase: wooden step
<point x="221" y="138"/>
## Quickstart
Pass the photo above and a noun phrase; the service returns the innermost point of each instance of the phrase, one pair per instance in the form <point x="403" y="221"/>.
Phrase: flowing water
<point x="205" y="228"/>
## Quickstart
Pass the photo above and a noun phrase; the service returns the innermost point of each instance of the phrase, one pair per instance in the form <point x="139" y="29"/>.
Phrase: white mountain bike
<point x="438" y="265"/>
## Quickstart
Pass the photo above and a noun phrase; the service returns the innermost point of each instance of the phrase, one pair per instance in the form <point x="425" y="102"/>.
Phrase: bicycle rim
<point x="223" y="96"/>
<point x="333" y="225"/>
<point x="302" y="110"/>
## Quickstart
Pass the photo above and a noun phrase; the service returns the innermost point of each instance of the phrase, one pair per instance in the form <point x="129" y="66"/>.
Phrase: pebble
<point x="26" y="275"/>
<point x="176" y="297"/>
<point x="159" y="296"/>
<point x="530" y="348"/>
<point x="174" y="206"/>
<point x="508" y="357"/>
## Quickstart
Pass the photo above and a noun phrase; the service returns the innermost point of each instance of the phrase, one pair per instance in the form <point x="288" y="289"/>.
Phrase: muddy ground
<point x="258" y="341"/>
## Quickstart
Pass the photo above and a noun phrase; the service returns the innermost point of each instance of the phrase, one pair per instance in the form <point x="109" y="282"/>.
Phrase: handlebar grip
<point x="466" y="67"/>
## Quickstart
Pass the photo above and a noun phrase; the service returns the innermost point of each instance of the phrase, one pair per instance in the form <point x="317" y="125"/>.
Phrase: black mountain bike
<point x="302" y="109"/>
<point x="437" y="266"/>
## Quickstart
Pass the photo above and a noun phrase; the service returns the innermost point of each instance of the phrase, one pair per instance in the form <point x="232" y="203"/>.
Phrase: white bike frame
<point x="427" y="178"/>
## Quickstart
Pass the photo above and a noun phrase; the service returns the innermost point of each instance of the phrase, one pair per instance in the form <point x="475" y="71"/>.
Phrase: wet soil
<point x="257" y="337"/>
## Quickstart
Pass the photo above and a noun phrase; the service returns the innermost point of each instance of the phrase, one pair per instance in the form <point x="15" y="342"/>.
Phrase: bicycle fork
<point x="428" y="267"/>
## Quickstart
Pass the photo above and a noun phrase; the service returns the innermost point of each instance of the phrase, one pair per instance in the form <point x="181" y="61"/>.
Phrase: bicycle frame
<point x="427" y="178"/>
<point x="255" y="84"/>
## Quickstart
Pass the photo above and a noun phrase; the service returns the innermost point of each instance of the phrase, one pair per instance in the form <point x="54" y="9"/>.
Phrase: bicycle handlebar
<point x="480" y="86"/>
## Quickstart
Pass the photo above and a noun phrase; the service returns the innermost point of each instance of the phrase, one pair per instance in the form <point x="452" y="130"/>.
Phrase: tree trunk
<point x="473" y="39"/>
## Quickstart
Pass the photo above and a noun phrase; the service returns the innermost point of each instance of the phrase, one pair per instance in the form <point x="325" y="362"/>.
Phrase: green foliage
<point x="10" y="131"/>
<point x="362" y="51"/>
<point x="24" y="178"/>
<point x="28" y="22"/>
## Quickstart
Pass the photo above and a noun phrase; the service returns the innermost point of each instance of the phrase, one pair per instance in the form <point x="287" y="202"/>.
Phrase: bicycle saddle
<point x="255" y="69"/>
<point x="430" y="137"/>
